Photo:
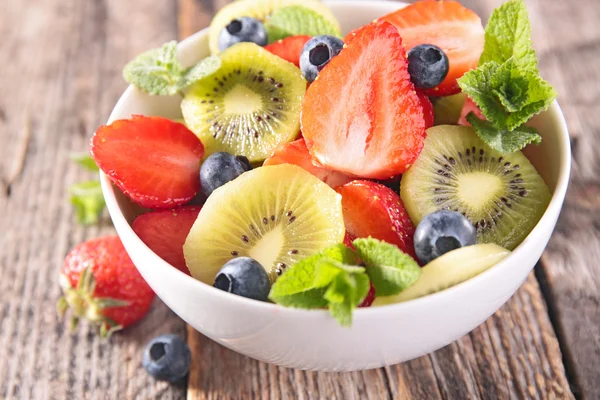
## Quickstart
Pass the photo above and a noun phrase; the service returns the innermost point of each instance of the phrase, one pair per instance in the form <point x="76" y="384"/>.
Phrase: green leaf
<point x="507" y="35"/>
<point x="324" y="280"/>
<point x="390" y="270"/>
<point x="84" y="160"/>
<point x="88" y="201"/>
<point x="503" y="140"/>
<point x="507" y="95"/>
<point x="156" y="71"/>
<point x="301" y="277"/>
<point x="204" y="68"/>
<point x="298" y="20"/>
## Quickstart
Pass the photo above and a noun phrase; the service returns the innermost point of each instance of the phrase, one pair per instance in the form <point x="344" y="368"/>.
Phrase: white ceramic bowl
<point x="312" y="339"/>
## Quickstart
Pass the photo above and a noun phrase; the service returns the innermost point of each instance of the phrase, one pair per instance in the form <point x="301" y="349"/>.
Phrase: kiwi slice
<point x="447" y="110"/>
<point x="501" y="194"/>
<point x="249" y="106"/>
<point x="448" y="270"/>
<point x="261" y="10"/>
<point x="277" y="215"/>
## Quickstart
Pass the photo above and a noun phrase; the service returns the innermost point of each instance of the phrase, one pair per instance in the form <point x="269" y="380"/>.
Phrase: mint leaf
<point x="88" y="201"/>
<point x="477" y="84"/>
<point x="522" y="93"/>
<point x="298" y="20"/>
<point x="301" y="277"/>
<point x="204" y="68"/>
<point x="390" y="270"/>
<point x="343" y="295"/>
<point x="508" y="34"/>
<point x="503" y="140"/>
<point x="156" y="71"/>
<point x="84" y="160"/>
<point x="324" y="280"/>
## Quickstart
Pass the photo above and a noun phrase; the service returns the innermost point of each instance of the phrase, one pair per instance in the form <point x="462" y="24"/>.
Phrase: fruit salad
<point x="323" y="171"/>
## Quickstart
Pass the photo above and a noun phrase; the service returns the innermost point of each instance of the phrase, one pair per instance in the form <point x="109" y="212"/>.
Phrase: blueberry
<point x="167" y="358"/>
<point x="220" y="168"/>
<point x="243" y="29"/>
<point x="428" y="66"/>
<point x="441" y="232"/>
<point x="317" y="52"/>
<point x="244" y="276"/>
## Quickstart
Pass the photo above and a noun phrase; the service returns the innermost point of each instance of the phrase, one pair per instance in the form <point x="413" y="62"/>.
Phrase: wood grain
<point x="60" y="77"/>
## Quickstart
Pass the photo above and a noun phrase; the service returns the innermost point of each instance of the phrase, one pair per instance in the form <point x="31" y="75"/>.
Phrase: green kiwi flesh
<point x="277" y="215"/>
<point x="249" y="106"/>
<point x="448" y="270"/>
<point x="447" y="110"/>
<point x="501" y="194"/>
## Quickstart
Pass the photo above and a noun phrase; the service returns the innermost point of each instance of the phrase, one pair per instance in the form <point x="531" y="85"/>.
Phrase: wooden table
<point x="60" y="75"/>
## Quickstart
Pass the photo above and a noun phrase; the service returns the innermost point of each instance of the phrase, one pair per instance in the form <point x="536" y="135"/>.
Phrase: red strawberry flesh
<point x="165" y="231"/>
<point x="152" y="160"/>
<point x="362" y="116"/>
<point x="289" y="48"/>
<point x="371" y="209"/>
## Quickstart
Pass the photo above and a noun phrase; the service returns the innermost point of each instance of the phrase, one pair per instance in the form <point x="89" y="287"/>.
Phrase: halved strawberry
<point x="469" y="106"/>
<point x="428" y="114"/>
<point x="153" y="160"/>
<point x="362" y="116"/>
<point x="297" y="153"/>
<point x="289" y="48"/>
<point x="448" y="25"/>
<point x="165" y="232"/>
<point x="371" y="209"/>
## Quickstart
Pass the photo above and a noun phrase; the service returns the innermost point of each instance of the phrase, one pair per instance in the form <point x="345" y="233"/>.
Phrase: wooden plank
<point x="512" y="355"/>
<point x="61" y="63"/>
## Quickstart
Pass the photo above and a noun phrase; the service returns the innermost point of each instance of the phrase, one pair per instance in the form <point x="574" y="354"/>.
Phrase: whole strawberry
<point x="101" y="285"/>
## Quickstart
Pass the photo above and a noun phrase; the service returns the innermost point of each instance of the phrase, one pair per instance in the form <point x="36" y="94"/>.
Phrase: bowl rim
<point x="126" y="233"/>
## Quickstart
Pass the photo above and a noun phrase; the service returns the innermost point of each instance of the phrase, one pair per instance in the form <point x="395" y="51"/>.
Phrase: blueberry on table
<point x="441" y="232"/>
<point x="167" y="358"/>
<point x="243" y="29"/>
<point x="317" y="52"/>
<point x="220" y="168"/>
<point x="428" y="66"/>
<point x="245" y="277"/>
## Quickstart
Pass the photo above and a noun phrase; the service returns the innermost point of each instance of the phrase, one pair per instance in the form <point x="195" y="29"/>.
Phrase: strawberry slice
<point x="362" y="116"/>
<point x="289" y="48"/>
<point x="427" y="109"/>
<point x="469" y="106"/>
<point x="448" y="25"/>
<point x="297" y="153"/>
<point x="152" y="160"/>
<point x="165" y="231"/>
<point x="371" y="209"/>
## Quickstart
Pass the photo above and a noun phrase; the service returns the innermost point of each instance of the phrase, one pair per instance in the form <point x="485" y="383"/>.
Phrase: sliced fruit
<point x="289" y="48"/>
<point x="368" y="301"/>
<point x="165" y="232"/>
<point x="152" y="160"/>
<point x="469" y="107"/>
<point x="371" y="209"/>
<point x="502" y="195"/>
<point x="362" y="116"/>
<point x="261" y="10"/>
<point x="448" y="270"/>
<point x="448" y="25"/>
<point x="297" y="153"/>
<point x="446" y="110"/>
<point x="249" y="106"/>
<point x="298" y="20"/>
<point x="276" y="215"/>
<point x="428" y="113"/>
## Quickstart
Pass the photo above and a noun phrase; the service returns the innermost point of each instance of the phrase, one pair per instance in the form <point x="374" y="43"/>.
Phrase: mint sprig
<point x="159" y="72"/>
<point x="332" y="279"/>
<point x="507" y="86"/>
<point x="298" y="20"/>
